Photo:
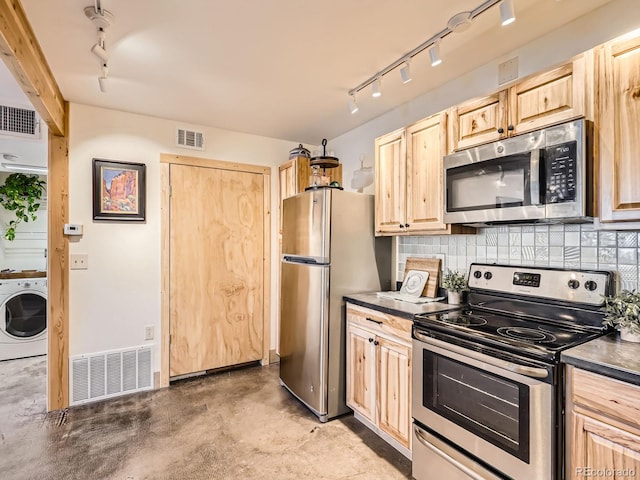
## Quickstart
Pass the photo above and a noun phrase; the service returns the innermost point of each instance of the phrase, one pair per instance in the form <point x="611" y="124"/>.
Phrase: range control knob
<point x="488" y="275"/>
<point x="573" y="283"/>
<point x="590" y="285"/>
<point x="477" y="274"/>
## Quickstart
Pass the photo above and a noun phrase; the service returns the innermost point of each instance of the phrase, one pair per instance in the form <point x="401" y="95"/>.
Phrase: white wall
<point x="611" y="20"/>
<point x="119" y="294"/>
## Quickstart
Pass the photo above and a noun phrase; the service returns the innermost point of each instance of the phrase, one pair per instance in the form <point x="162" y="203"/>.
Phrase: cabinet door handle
<point x="370" y="340"/>
<point x="501" y="130"/>
<point x="406" y="225"/>
<point x="376" y="342"/>
<point x="510" y="128"/>
<point x="379" y="322"/>
<point x="401" y="226"/>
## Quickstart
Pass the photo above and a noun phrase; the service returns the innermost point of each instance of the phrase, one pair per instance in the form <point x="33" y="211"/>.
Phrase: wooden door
<point x="390" y="182"/>
<point x="216" y="268"/>
<point x="426" y="145"/>
<point x="479" y="121"/>
<point x="361" y="374"/>
<point x="619" y="122"/>
<point x="600" y="446"/>
<point x="548" y="98"/>
<point x="394" y="389"/>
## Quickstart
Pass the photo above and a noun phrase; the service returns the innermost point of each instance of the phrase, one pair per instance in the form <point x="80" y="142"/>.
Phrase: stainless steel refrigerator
<point x="328" y="250"/>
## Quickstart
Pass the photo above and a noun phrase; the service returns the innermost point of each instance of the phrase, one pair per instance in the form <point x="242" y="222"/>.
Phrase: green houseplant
<point x="455" y="283"/>
<point x="623" y="313"/>
<point x="20" y="194"/>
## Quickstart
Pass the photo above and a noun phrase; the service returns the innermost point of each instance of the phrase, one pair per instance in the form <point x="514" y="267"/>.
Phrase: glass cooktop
<point x="513" y="333"/>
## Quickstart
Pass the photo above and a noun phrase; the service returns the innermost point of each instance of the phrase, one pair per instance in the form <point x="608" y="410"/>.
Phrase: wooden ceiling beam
<point x="24" y="58"/>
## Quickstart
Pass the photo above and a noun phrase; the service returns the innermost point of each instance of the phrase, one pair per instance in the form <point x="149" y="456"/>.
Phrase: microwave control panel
<point x="561" y="177"/>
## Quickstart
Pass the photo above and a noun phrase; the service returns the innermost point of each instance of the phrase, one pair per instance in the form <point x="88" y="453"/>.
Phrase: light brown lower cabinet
<point x="379" y="373"/>
<point x="603" y="431"/>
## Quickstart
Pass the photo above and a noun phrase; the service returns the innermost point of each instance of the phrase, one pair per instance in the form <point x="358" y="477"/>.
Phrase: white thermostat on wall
<point x="72" y="229"/>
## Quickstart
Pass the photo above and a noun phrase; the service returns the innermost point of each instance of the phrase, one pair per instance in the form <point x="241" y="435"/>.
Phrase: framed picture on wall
<point x="118" y="190"/>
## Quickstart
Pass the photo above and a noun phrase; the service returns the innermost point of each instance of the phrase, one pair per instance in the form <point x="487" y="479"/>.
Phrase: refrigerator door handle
<point x="307" y="260"/>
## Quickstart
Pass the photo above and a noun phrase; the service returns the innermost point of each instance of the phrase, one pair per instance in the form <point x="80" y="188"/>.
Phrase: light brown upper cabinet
<point x="408" y="179"/>
<point x="619" y="124"/>
<point x="294" y="178"/>
<point x="544" y="99"/>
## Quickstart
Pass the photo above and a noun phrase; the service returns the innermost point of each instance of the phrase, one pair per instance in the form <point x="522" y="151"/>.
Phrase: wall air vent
<point x="97" y="376"/>
<point x="20" y="122"/>
<point x="191" y="139"/>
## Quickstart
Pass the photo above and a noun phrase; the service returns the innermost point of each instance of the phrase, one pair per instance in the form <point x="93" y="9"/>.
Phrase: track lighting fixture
<point x="376" y="88"/>
<point x="434" y="54"/>
<point x="100" y="52"/>
<point x="405" y="72"/>
<point x="456" y="24"/>
<point x="102" y="19"/>
<point x="353" y="104"/>
<point x="102" y="79"/>
<point x="506" y="12"/>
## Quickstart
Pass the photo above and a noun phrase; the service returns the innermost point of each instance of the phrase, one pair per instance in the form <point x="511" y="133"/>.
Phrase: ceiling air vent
<point x="19" y="122"/>
<point x="189" y="139"/>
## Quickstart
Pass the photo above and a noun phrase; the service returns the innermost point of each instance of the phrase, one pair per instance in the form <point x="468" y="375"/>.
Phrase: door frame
<point x="23" y="57"/>
<point x="166" y="160"/>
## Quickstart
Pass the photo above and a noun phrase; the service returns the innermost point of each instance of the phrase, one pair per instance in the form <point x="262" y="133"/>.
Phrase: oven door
<point x="500" y="412"/>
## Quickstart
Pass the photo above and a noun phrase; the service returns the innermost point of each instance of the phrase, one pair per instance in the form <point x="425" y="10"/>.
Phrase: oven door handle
<point x="445" y="456"/>
<point x="496" y="362"/>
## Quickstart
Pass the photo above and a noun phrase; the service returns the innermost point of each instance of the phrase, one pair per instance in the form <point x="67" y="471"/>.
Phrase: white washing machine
<point x="23" y="317"/>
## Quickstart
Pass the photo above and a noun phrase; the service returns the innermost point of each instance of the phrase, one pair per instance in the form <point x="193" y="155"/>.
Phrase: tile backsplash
<point x="566" y="246"/>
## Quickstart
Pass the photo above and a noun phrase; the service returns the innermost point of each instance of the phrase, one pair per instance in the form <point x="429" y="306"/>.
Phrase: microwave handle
<point x="534" y="177"/>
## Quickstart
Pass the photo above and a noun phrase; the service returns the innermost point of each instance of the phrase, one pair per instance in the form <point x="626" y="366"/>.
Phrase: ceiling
<point x="277" y="68"/>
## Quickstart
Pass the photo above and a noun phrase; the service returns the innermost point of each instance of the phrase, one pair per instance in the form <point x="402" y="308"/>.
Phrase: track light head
<point x="434" y="54"/>
<point x="376" y="88"/>
<point x="102" y="82"/>
<point x="353" y="104"/>
<point x="507" y="14"/>
<point x="405" y="72"/>
<point x="100" y="52"/>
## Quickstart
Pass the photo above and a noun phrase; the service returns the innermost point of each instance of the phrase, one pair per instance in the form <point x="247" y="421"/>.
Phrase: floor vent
<point x="19" y="122"/>
<point x="103" y="375"/>
<point x="189" y="139"/>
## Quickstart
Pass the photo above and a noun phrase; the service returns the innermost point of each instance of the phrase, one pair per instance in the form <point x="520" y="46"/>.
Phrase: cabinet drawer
<point x="379" y="322"/>
<point x="610" y="397"/>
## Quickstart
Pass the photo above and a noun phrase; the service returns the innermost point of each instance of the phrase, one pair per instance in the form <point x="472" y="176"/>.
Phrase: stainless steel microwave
<point x="542" y="176"/>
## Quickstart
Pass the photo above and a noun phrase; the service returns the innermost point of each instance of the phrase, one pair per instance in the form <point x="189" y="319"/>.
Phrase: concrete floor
<point x="234" y="425"/>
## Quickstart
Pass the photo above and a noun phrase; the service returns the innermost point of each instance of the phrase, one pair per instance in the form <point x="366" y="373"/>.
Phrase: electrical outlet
<point x="79" y="261"/>
<point x="148" y="332"/>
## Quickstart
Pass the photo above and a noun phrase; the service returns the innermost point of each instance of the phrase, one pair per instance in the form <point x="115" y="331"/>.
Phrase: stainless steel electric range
<point x="487" y="384"/>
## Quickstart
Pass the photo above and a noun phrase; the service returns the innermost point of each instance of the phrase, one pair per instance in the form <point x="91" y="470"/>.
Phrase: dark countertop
<point x="608" y="356"/>
<point x="396" y="307"/>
